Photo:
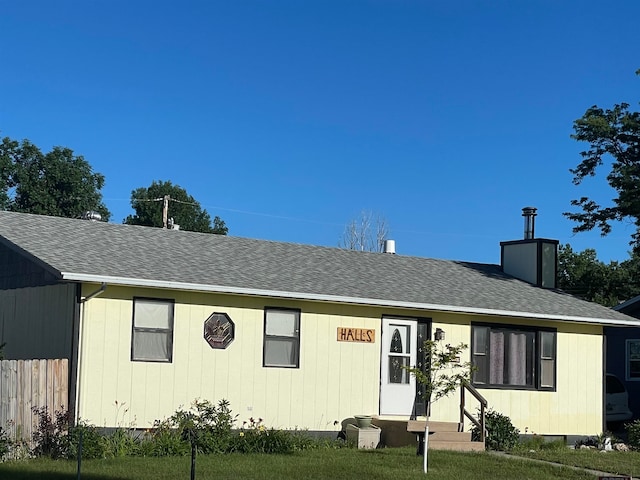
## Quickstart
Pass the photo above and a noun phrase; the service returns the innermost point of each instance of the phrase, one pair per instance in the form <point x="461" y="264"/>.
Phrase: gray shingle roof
<point x="132" y="255"/>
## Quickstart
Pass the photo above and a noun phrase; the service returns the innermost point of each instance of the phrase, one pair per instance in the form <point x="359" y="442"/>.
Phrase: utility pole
<point x="165" y="210"/>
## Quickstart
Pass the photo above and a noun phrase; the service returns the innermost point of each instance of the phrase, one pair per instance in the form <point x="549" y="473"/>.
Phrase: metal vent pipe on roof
<point x="92" y="215"/>
<point x="389" y="246"/>
<point x="529" y="214"/>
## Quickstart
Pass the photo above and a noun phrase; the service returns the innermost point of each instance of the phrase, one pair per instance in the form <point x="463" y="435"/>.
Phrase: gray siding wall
<point x="17" y="271"/>
<point x="37" y="322"/>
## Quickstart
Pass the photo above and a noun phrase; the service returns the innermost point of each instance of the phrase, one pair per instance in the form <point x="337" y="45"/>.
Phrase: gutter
<point x="343" y="299"/>
<point x="102" y="288"/>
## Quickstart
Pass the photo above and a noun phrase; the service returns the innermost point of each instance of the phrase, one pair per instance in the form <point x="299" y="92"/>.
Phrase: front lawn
<point x="390" y="463"/>
<point x="621" y="463"/>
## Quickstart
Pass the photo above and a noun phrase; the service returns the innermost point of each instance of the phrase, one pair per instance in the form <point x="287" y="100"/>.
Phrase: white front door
<point x="397" y="386"/>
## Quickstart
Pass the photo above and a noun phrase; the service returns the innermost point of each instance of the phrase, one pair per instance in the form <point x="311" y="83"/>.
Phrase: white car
<point x="617" y="400"/>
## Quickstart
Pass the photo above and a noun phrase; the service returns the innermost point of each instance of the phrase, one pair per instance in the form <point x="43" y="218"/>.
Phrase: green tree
<point x="7" y="154"/>
<point x="443" y="373"/>
<point x="56" y="183"/>
<point x="185" y="211"/>
<point x="612" y="134"/>
<point x="583" y="275"/>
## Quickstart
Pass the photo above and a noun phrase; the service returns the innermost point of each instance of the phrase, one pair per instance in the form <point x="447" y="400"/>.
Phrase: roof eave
<point x="628" y="303"/>
<point x="198" y="287"/>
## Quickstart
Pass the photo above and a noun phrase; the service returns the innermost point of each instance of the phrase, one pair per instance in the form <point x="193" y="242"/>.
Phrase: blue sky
<point x="288" y="118"/>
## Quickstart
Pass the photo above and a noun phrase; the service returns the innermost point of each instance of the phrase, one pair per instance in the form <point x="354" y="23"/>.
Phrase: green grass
<point x="400" y="463"/>
<point x="621" y="463"/>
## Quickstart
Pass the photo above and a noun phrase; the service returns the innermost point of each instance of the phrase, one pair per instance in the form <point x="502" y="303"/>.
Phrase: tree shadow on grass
<point x="14" y="472"/>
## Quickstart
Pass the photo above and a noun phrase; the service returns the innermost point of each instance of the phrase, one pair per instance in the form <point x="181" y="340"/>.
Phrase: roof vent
<point x="389" y="246"/>
<point x="173" y="225"/>
<point x="92" y="215"/>
<point x="529" y="214"/>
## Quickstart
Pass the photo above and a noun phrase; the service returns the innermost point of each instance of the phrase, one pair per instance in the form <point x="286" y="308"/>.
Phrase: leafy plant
<point x="633" y="434"/>
<point x="120" y="443"/>
<point x="254" y="437"/>
<point x="163" y="440"/>
<point x="5" y="443"/>
<point x="51" y="437"/>
<point x="92" y="441"/>
<point x="501" y="434"/>
<point x="207" y="425"/>
<point x="443" y="372"/>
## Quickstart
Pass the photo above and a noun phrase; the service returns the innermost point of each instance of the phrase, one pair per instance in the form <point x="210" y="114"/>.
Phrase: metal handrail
<point x="479" y="423"/>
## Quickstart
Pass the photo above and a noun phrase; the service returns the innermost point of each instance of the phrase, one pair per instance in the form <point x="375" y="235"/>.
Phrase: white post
<point x="426" y="447"/>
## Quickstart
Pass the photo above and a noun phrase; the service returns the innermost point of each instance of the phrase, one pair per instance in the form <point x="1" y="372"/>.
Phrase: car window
<point x="614" y="385"/>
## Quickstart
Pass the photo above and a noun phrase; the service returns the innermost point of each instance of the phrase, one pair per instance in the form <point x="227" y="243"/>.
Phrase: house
<point x="298" y="335"/>
<point x="623" y="353"/>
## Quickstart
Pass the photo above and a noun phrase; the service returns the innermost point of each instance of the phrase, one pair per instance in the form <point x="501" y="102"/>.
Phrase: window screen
<point x="281" y="338"/>
<point x="152" y="338"/>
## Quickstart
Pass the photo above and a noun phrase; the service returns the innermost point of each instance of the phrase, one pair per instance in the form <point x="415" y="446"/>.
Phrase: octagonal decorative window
<point x="219" y="330"/>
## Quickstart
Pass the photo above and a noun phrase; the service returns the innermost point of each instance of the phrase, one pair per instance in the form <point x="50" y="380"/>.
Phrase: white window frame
<point x="272" y="334"/>
<point x="164" y="327"/>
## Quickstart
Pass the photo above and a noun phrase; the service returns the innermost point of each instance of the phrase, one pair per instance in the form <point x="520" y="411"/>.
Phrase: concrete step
<point x="418" y="426"/>
<point x="450" y="436"/>
<point x="457" y="446"/>
<point x="444" y="435"/>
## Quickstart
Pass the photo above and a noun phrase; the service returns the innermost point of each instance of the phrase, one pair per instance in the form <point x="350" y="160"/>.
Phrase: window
<point x="513" y="357"/>
<point x="152" y="338"/>
<point x="633" y="359"/>
<point x="281" y="338"/>
<point x="399" y="354"/>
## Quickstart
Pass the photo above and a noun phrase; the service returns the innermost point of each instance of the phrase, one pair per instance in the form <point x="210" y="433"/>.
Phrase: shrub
<point x="164" y="440"/>
<point x="51" y="437"/>
<point x="120" y="443"/>
<point x="92" y="441"/>
<point x="501" y="434"/>
<point x="254" y="437"/>
<point x="633" y="434"/>
<point x="207" y="425"/>
<point x="5" y="444"/>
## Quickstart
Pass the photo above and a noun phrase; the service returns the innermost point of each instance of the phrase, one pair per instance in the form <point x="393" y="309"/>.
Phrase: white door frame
<point x="398" y="348"/>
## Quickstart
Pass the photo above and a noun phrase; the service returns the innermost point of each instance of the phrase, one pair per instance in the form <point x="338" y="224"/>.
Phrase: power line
<point x="165" y="206"/>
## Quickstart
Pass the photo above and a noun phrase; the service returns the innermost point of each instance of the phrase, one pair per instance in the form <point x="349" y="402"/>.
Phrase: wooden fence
<point x="29" y="384"/>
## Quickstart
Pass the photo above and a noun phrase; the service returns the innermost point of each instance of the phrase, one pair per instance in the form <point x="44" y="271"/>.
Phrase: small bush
<point x="633" y="434"/>
<point x="255" y="438"/>
<point x="164" y="440"/>
<point x="5" y="444"/>
<point x="207" y="425"/>
<point x="92" y="441"/>
<point x="51" y="438"/>
<point x="120" y="443"/>
<point x="501" y="434"/>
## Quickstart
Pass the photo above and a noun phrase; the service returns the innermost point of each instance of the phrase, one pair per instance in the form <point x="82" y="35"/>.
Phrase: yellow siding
<point x="575" y="408"/>
<point x="335" y="380"/>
